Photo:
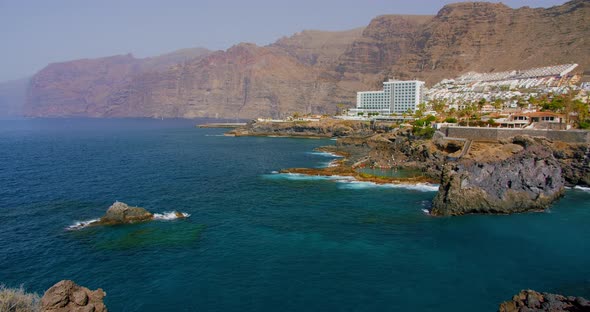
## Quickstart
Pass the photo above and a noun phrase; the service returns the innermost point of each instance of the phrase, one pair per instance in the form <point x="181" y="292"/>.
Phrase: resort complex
<point x="397" y="97"/>
<point x="507" y="85"/>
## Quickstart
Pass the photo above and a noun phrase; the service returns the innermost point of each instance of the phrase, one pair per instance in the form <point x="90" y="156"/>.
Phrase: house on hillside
<point x="534" y="120"/>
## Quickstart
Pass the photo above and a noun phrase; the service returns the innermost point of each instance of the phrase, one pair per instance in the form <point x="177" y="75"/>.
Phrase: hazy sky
<point x="35" y="33"/>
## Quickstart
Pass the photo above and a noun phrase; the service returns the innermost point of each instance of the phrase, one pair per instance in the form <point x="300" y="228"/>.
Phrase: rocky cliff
<point x="313" y="71"/>
<point x="94" y="87"/>
<point x="521" y="175"/>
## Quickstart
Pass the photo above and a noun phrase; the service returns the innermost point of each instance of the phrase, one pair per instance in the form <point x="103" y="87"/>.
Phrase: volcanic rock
<point x="532" y="301"/>
<point x="121" y="213"/>
<point x="529" y="179"/>
<point x="67" y="296"/>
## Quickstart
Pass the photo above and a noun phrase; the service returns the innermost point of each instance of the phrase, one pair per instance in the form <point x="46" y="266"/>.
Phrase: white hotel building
<point x="397" y="97"/>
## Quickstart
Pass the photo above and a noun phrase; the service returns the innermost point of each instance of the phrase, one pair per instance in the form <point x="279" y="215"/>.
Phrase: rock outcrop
<point x="522" y="176"/>
<point x="121" y="213"/>
<point x="67" y="296"/>
<point x="323" y="128"/>
<point x="313" y="71"/>
<point x="532" y="301"/>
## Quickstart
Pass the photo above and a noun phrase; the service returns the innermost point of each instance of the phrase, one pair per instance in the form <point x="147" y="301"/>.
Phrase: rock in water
<point x="530" y="301"/>
<point x="67" y="296"/>
<point x="121" y="213"/>
<point x="529" y="179"/>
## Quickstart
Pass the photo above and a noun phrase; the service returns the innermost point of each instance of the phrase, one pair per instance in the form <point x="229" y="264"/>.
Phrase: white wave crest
<point x="351" y="183"/>
<point x="81" y="224"/>
<point x="171" y="215"/>
<point x="426" y="211"/>
<point x="582" y="188"/>
<point x="358" y="185"/>
<point x="326" y="154"/>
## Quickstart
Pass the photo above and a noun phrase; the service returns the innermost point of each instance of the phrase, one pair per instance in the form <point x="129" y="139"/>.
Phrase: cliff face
<point x="313" y="71"/>
<point x="93" y="87"/>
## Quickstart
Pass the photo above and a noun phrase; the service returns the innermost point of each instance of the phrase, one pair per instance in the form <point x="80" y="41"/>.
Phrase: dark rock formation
<point x="121" y="213"/>
<point x="532" y="301"/>
<point x="529" y="179"/>
<point x="322" y="128"/>
<point x="67" y="296"/>
<point x="575" y="162"/>
<point x="313" y="71"/>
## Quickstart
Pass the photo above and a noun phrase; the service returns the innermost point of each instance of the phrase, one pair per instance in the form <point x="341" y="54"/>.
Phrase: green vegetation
<point x="422" y="127"/>
<point x="451" y="120"/>
<point x="17" y="300"/>
<point x="568" y="105"/>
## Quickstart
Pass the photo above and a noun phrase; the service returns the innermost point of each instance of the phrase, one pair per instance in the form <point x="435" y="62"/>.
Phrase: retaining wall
<point x="495" y="134"/>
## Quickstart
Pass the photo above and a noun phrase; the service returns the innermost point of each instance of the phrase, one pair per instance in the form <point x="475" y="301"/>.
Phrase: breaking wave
<point x="358" y="185"/>
<point x="351" y="183"/>
<point x="325" y="154"/>
<point x="582" y="188"/>
<point x="172" y="215"/>
<point x="81" y="224"/>
<point x="157" y="216"/>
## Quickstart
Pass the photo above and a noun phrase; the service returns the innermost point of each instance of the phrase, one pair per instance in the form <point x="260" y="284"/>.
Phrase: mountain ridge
<point x="312" y="71"/>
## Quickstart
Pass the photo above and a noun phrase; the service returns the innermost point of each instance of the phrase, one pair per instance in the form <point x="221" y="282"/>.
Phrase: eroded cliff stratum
<point x="312" y="71"/>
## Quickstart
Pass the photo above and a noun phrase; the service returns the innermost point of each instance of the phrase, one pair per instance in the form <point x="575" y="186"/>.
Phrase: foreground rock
<point x="121" y="213"/>
<point x="67" y="296"/>
<point x="522" y="176"/>
<point x="531" y="301"/>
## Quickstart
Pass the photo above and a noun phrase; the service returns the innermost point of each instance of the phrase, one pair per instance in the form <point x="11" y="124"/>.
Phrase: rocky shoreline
<point x="532" y="301"/>
<point x="516" y="175"/>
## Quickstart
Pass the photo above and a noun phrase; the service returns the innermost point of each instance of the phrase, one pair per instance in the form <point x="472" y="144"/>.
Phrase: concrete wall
<point x="495" y="134"/>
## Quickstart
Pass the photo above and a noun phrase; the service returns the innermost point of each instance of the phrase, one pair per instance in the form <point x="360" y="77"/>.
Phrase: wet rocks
<point x="121" y="213"/>
<point x="67" y="296"/>
<point x="532" y="301"/>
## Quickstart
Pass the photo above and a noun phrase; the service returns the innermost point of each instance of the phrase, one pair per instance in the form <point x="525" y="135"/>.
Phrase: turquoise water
<point x="256" y="240"/>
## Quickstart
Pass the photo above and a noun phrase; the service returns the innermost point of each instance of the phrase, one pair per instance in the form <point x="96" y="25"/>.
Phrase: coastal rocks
<point x="532" y="301"/>
<point x="530" y="179"/>
<point x="324" y="128"/>
<point x="67" y="296"/>
<point x="121" y="213"/>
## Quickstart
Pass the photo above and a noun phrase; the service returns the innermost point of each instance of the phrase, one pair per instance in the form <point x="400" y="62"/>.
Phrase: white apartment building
<point x="397" y="97"/>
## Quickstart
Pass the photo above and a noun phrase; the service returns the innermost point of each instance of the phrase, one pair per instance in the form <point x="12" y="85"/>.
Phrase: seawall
<point x="496" y="134"/>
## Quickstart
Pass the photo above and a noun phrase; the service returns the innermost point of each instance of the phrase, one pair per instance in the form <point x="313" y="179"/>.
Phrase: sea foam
<point x="171" y="215"/>
<point x="357" y="185"/>
<point x="325" y="154"/>
<point x="350" y="183"/>
<point x="165" y="216"/>
<point x="81" y="224"/>
<point x="582" y="188"/>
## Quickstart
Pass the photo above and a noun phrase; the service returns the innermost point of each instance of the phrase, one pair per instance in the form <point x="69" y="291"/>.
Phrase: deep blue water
<point x="257" y="241"/>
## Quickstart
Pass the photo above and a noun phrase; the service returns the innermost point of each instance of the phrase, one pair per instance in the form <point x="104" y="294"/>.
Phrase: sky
<point x="36" y="33"/>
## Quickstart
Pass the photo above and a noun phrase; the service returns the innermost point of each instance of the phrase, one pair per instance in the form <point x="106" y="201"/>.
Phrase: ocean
<point x="257" y="240"/>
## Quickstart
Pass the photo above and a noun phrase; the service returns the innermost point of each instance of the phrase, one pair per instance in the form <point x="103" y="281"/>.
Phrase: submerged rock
<point x="121" y="213"/>
<point x="67" y="296"/>
<point x="529" y="178"/>
<point x="532" y="301"/>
